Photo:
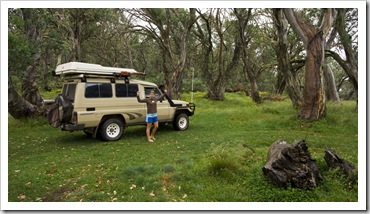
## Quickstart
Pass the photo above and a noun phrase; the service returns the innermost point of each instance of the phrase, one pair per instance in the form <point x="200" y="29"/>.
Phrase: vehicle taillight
<point x="74" y="118"/>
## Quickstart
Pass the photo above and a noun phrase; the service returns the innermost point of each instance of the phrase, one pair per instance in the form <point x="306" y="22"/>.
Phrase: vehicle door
<point x="133" y="111"/>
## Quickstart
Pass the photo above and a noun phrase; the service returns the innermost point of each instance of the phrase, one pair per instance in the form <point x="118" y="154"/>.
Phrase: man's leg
<point x="148" y="126"/>
<point x="154" y="129"/>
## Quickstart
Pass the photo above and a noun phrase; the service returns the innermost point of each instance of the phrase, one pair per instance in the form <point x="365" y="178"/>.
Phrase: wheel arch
<point x="118" y="116"/>
<point x="180" y="111"/>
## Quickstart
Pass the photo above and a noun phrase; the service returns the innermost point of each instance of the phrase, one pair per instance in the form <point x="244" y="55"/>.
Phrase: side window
<point x="126" y="90"/>
<point x="64" y="90"/>
<point x="132" y="90"/>
<point x="92" y="90"/>
<point x="96" y="90"/>
<point x="69" y="90"/>
<point x="105" y="89"/>
<point x="156" y="92"/>
<point x="121" y="90"/>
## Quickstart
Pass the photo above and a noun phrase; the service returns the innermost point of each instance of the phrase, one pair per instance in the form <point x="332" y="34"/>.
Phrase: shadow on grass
<point x="78" y="138"/>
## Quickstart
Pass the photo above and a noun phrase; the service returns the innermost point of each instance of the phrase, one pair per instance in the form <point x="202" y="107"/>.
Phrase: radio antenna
<point x="192" y="86"/>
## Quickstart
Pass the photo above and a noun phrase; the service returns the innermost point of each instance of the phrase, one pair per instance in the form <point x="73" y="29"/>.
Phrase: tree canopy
<point x="308" y="54"/>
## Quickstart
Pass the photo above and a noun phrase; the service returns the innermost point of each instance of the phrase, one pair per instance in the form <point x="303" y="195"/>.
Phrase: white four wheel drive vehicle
<point x="102" y="101"/>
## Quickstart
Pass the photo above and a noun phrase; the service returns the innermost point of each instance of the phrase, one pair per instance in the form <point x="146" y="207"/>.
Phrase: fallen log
<point x="333" y="160"/>
<point x="291" y="164"/>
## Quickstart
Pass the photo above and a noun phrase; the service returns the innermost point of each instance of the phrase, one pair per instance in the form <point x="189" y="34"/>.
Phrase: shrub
<point x="224" y="157"/>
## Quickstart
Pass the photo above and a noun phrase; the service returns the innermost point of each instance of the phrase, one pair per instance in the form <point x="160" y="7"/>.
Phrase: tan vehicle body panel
<point x="102" y="101"/>
<point x="133" y="111"/>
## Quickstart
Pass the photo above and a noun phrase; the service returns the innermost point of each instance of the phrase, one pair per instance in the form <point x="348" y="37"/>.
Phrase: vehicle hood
<point x="183" y="103"/>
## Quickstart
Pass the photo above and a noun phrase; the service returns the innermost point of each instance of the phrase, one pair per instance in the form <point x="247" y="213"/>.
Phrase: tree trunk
<point x="284" y="64"/>
<point x="280" y="83"/>
<point x="30" y="90"/>
<point x="172" y="39"/>
<point x="333" y="160"/>
<point x="243" y="17"/>
<point x="251" y="78"/>
<point x="216" y="76"/>
<point x="18" y="107"/>
<point x="46" y="72"/>
<point x="314" y="103"/>
<point x="350" y="65"/>
<point x="75" y="34"/>
<point x="329" y="81"/>
<point x="216" y="91"/>
<point x="291" y="164"/>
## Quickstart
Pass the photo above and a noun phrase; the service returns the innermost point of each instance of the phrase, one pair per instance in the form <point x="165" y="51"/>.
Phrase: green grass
<point x="205" y="163"/>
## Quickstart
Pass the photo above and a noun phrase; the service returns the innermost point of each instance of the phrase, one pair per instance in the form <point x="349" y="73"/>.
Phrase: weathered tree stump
<point x="333" y="160"/>
<point x="291" y="164"/>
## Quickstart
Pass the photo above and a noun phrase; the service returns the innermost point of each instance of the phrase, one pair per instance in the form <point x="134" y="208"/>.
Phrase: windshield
<point x="156" y="92"/>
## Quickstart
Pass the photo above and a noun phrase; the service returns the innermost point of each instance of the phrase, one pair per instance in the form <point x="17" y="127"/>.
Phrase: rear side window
<point x="126" y="90"/>
<point x="69" y="90"/>
<point x="98" y="90"/>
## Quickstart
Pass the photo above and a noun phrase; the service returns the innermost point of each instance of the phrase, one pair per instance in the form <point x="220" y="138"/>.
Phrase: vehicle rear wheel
<point x="111" y="129"/>
<point x="181" y="122"/>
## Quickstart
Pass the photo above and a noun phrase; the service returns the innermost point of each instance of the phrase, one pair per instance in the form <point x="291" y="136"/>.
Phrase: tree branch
<point x="289" y="14"/>
<point x="336" y="57"/>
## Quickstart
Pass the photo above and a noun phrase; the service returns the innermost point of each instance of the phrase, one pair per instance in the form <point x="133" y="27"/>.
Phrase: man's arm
<point x="138" y="98"/>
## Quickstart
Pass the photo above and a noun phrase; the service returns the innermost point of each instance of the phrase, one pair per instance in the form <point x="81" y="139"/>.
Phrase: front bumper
<point x="192" y="108"/>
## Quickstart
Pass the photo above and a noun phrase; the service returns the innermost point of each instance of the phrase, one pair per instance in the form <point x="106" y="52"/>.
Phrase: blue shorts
<point x="151" y="118"/>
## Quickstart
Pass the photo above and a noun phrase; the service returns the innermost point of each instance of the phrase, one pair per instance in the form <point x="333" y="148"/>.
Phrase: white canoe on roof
<point x="73" y="68"/>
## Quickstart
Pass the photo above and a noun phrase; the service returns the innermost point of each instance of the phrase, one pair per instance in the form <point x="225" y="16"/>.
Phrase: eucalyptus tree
<point x="109" y="40"/>
<point x="78" y="25"/>
<point x="346" y="25"/>
<point x="219" y="49"/>
<point x="314" y="103"/>
<point x="27" y="27"/>
<point x="244" y="31"/>
<point x="170" y="28"/>
<point x="284" y="58"/>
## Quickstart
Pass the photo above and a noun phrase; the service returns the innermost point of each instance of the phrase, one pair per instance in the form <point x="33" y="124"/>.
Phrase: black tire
<point x="65" y="108"/>
<point x="181" y="122"/>
<point x="111" y="129"/>
<point x="53" y="116"/>
<point x="60" y="111"/>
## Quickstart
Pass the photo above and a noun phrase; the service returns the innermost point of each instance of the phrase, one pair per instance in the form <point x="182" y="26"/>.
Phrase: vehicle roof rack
<point x="74" y="69"/>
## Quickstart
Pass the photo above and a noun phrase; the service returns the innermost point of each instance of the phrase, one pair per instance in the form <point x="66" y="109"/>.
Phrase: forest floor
<point x="206" y="163"/>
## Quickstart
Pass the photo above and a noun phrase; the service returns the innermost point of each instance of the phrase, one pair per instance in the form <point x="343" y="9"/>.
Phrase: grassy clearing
<point x="205" y="163"/>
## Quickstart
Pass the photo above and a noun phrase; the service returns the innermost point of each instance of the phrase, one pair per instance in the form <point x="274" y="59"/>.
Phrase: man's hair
<point x="152" y="91"/>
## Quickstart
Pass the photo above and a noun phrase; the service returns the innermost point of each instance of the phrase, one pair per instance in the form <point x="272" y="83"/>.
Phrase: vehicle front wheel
<point x="181" y="122"/>
<point x="111" y="129"/>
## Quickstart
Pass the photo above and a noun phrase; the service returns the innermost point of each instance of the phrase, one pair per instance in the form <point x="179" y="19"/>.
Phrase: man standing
<point x="151" y="116"/>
